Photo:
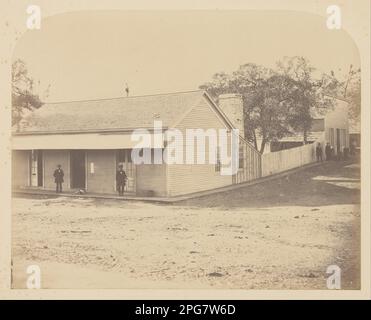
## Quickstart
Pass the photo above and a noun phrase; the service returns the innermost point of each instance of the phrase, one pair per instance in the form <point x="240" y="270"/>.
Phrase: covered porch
<point x="89" y="165"/>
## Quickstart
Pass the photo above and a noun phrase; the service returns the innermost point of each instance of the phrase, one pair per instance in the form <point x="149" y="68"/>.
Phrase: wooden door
<point x="78" y="169"/>
<point x="37" y="169"/>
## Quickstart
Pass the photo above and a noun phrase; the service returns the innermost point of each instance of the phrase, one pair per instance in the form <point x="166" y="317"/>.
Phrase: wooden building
<point x="90" y="138"/>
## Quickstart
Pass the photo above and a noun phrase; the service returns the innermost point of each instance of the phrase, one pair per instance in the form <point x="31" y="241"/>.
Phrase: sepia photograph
<point x="186" y="149"/>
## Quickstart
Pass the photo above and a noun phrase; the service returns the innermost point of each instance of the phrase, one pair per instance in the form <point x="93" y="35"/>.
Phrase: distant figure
<point x="353" y="147"/>
<point x="121" y="180"/>
<point x="58" y="178"/>
<point x="319" y="152"/>
<point x="328" y="151"/>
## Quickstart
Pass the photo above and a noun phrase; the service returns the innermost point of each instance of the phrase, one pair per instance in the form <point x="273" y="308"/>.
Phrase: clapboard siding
<point x="21" y="168"/>
<point x="151" y="178"/>
<point x="188" y="178"/>
<point x="103" y="178"/>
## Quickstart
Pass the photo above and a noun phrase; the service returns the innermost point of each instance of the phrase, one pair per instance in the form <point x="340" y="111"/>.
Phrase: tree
<point x="278" y="102"/>
<point x="23" y="96"/>
<point x="307" y="94"/>
<point x="351" y="91"/>
<point x="352" y="79"/>
<point x="265" y="100"/>
<point x="347" y="85"/>
<point x="265" y="112"/>
<point x="354" y="98"/>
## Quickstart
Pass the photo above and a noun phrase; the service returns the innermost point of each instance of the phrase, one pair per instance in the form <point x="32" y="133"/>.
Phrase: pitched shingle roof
<point x="110" y="114"/>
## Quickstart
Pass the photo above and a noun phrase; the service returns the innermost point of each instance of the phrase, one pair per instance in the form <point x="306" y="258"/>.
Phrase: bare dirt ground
<point x="280" y="234"/>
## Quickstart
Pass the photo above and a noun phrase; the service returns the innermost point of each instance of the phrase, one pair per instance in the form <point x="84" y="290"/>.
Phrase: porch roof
<point x="114" y="140"/>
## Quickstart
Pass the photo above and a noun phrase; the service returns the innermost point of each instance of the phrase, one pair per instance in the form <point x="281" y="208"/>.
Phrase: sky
<point x="93" y="54"/>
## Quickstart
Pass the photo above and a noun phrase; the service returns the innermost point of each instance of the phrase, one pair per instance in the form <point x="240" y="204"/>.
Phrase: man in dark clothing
<point x="121" y="180"/>
<point x="328" y="152"/>
<point x="319" y="152"/>
<point x="58" y="178"/>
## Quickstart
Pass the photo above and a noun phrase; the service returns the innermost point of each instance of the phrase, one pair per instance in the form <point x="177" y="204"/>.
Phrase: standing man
<point x="121" y="180"/>
<point x="319" y="152"/>
<point x="328" y="151"/>
<point x="58" y="178"/>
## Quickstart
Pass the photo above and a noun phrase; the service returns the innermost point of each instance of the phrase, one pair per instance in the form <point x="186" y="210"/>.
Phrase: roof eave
<point x="101" y="131"/>
<point x="222" y="114"/>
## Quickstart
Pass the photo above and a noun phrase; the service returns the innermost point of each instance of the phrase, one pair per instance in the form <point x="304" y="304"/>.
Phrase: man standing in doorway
<point x="121" y="180"/>
<point x="58" y="178"/>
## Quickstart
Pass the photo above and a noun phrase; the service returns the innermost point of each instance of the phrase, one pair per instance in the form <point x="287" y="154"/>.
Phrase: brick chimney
<point x="232" y="106"/>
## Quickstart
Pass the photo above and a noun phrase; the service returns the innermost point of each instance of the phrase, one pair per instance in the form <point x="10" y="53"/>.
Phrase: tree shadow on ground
<point x="326" y="184"/>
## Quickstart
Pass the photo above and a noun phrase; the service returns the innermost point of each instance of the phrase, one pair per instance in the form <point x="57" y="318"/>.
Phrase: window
<point x="123" y="156"/>
<point x="343" y="138"/>
<point x="217" y="163"/>
<point x="332" y="136"/>
<point x="157" y="156"/>
<point x="37" y="169"/>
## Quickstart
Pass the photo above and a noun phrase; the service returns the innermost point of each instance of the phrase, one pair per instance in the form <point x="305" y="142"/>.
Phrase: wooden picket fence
<point x="257" y="165"/>
<point x="284" y="160"/>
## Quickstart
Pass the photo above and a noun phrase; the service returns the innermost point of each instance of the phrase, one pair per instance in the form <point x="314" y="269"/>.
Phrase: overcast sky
<point x="88" y="55"/>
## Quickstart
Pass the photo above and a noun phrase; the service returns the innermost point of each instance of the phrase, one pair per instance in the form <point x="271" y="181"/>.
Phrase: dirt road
<point x="276" y="235"/>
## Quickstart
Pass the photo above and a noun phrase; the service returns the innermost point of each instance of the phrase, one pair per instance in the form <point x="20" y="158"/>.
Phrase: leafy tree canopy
<point x="23" y="96"/>
<point x="278" y="101"/>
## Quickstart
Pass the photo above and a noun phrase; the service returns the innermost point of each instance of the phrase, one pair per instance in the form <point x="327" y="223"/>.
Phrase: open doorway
<point x="123" y="156"/>
<point x="37" y="168"/>
<point x="78" y="169"/>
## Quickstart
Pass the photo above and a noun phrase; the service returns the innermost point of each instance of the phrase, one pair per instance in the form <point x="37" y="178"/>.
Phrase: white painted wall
<point x="189" y="178"/>
<point x="338" y="118"/>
